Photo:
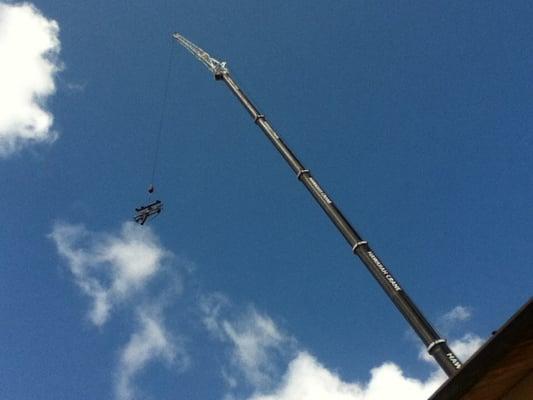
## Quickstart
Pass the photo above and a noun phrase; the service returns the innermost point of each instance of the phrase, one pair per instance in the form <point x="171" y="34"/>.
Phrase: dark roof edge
<point x="490" y="353"/>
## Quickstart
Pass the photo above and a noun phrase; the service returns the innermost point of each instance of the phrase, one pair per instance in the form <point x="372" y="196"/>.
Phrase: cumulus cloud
<point x="109" y="268"/>
<point x="150" y="342"/>
<point x="255" y="337"/>
<point x="263" y="362"/>
<point x="463" y="348"/>
<point x="256" y="342"/>
<point x="457" y="314"/>
<point x="29" y="49"/>
<point x="453" y="319"/>
<point x="307" y="379"/>
<point x="115" y="269"/>
<point x="467" y="345"/>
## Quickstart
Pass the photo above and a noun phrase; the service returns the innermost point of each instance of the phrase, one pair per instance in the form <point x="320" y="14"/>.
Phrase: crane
<point x="435" y="344"/>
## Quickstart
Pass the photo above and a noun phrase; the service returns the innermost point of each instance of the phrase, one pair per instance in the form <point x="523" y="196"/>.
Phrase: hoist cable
<point x="161" y="117"/>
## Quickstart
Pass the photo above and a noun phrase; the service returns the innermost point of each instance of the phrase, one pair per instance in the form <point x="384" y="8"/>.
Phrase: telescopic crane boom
<point x="436" y="346"/>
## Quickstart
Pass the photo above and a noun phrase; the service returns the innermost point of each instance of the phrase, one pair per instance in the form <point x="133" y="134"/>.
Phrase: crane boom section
<point x="215" y="66"/>
<point x="436" y="346"/>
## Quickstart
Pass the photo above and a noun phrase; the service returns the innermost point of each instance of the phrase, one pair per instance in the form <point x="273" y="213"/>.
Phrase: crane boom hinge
<point x="218" y="68"/>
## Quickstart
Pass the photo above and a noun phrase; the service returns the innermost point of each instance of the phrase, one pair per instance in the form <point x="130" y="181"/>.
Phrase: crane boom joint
<point x="218" y="68"/>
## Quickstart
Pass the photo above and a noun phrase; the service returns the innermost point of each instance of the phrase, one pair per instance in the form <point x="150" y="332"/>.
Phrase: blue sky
<point x="415" y="118"/>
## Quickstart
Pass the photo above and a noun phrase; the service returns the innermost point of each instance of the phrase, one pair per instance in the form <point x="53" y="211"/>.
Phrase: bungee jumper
<point x="147" y="212"/>
<point x="152" y="209"/>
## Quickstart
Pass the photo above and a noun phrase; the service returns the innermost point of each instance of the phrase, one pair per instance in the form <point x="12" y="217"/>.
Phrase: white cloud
<point x="115" y="269"/>
<point x="109" y="268"/>
<point x="256" y="342"/>
<point x="466" y="346"/>
<point x="212" y="307"/>
<point x="76" y="87"/>
<point x="457" y="314"/>
<point x="254" y="338"/>
<point x="453" y="319"/>
<point x="149" y="343"/>
<point x="259" y="350"/>
<point x="29" y="48"/>
<point x="263" y="361"/>
<point x="307" y="379"/>
<point x="463" y="349"/>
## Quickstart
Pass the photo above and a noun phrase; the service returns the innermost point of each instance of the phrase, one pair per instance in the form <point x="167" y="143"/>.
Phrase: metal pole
<point x="436" y="346"/>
